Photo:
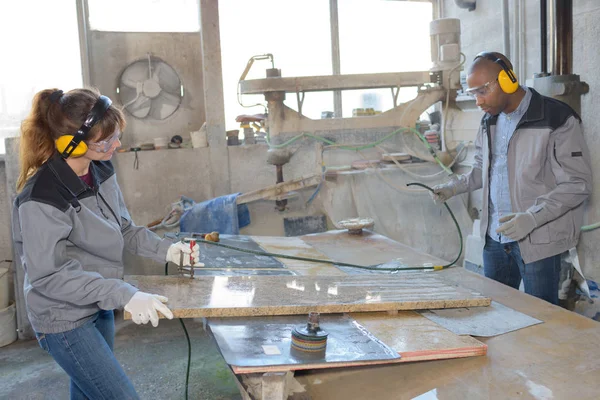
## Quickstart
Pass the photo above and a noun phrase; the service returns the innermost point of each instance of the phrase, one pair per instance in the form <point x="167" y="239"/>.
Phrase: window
<point x="296" y="33"/>
<point x="382" y="36"/>
<point x="144" y="15"/>
<point x="43" y="50"/>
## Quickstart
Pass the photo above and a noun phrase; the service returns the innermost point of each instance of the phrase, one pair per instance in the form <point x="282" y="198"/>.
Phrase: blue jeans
<point x="502" y="262"/>
<point x="86" y="354"/>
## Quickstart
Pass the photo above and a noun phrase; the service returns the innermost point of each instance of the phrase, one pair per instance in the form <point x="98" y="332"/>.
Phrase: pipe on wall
<point x="543" y="37"/>
<point x="521" y="37"/>
<point x="562" y="38"/>
<point x="505" y="30"/>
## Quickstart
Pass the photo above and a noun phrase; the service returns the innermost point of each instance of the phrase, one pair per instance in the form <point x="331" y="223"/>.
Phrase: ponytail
<point x="36" y="144"/>
<point x="54" y="114"/>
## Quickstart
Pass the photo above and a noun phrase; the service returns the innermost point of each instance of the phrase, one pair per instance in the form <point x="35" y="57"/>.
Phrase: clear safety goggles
<point x="104" y="146"/>
<point x="483" y="90"/>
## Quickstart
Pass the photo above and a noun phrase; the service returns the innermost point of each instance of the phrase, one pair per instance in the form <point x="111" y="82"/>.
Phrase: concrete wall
<point x="111" y="52"/>
<point x="482" y="30"/>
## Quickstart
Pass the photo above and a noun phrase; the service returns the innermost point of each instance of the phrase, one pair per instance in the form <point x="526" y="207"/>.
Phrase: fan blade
<point x="168" y="79"/>
<point x="138" y="91"/>
<point x="164" y="105"/>
<point x="141" y="107"/>
<point x="136" y="72"/>
<point x="169" y="98"/>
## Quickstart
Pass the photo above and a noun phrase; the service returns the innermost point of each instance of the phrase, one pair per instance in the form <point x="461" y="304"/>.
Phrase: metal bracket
<point x="300" y="101"/>
<point x="395" y="95"/>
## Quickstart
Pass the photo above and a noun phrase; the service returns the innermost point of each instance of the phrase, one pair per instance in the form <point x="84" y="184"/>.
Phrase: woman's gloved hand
<point x="175" y="252"/>
<point x="143" y="307"/>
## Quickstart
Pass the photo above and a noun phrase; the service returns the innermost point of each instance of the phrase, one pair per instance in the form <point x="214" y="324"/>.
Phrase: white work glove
<point x="143" y="307"/>
<point x="177" y="249"/>
<point x="441" y="193"/>
<point x="517" y="226"/>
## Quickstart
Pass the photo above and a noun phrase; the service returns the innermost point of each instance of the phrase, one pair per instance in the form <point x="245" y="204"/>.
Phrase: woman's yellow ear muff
<point x="64" y="141"/>
<point x="506" y="83"/>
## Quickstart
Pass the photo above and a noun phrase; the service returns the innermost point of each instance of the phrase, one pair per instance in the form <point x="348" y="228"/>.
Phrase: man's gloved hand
<point x="177" y="249"/>
<point x="517" y="226"/>
<point x="441" y="193"/>
<point x="143" y="307"/>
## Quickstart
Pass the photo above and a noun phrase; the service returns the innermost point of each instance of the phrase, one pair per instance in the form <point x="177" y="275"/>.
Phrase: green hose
<point x="587" y="228"/>
<point x="363" y="147"/>
<point x="453" y="219"/>
<point x="376" y="267"/>
<point x="268" y="254"/>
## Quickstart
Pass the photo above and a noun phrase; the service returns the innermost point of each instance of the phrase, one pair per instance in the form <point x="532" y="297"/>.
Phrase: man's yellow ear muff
<point x="507" y="79"/>
<point x="64" y="141"/>
<point x="507" y="84"/>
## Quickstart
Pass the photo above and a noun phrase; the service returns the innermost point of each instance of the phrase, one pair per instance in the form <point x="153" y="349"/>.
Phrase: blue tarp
<point x="221" y="214"/>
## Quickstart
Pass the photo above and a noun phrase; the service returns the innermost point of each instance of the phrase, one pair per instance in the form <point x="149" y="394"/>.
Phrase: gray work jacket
<point x="69" y="239"/>
<point x="549" y="175"/>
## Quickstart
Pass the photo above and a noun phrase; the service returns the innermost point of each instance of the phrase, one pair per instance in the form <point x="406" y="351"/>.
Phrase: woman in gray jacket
<point x="70" y="226"/>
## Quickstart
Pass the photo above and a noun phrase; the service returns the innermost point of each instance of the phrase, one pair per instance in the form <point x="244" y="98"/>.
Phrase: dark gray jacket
<point x="549" y="175"/>
<point x="69" y="239"/>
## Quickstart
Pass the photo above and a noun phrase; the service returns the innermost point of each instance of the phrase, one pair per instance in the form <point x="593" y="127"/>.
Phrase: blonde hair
<point x="53" y="116"/>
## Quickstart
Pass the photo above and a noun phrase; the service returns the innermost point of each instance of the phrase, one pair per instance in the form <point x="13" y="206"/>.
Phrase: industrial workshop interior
<point x="283" y="199"/>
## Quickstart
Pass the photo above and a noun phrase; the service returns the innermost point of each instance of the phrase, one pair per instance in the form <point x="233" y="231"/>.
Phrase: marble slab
<point x="418" y="339"/>
<point x="264" y="344"/>
<point x="294" y="246"/>
<point x="494" y="320"/>
<point x="237" y="296"/>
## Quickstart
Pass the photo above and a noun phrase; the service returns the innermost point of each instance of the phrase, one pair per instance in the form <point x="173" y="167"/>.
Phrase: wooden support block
<point x="273" y="386"/>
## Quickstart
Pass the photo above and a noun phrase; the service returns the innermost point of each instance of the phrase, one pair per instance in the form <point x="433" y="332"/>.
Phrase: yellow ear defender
<point x="507" y="79"/>
<point x="64" y="141"/>
<point x="74" y="145"/>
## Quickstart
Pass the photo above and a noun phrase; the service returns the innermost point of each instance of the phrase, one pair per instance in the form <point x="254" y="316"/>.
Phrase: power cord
<point x="189" y="344"/>
<point x="376" y="267"/>
<point x="315" y="260"/>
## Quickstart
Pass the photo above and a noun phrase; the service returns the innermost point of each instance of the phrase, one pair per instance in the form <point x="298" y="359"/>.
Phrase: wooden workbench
<point x="559" y="359"/>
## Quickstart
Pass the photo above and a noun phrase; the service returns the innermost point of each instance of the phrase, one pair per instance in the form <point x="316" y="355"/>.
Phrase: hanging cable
<point x="376" y="267"/>
<point x="189" y="346"/>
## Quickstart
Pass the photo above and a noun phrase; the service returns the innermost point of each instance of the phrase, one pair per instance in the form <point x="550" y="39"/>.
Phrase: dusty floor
<point x="153" y="358"/>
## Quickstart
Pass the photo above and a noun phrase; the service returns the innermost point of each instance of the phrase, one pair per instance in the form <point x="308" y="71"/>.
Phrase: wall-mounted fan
<point x="150" y="88"/>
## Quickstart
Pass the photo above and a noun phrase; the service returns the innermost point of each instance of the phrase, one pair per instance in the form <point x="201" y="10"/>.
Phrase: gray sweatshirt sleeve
<point x="138" y="239"/>
<point x="44" y="232"/>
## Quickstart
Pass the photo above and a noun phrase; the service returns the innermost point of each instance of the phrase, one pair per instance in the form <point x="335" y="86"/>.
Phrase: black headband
<point x="494" y="58"/>
<point x="55" y="96"/>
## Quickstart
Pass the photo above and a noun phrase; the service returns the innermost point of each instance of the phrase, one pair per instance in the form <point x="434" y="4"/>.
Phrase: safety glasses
<point x="483" y="90"/>
<point x="104" y="146"/>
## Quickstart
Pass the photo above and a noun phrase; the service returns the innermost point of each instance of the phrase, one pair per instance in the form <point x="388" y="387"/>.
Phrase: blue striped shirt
<point x="500" y="204"/>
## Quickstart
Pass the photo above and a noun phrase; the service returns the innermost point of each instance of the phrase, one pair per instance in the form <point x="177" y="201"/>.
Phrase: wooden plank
<point x="279" y="189"/>
<point x="334" y="82"/>
<point x="235" y="296"/>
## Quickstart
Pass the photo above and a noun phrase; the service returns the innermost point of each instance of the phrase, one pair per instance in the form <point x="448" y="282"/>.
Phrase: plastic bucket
<point x="8" y="325"/>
